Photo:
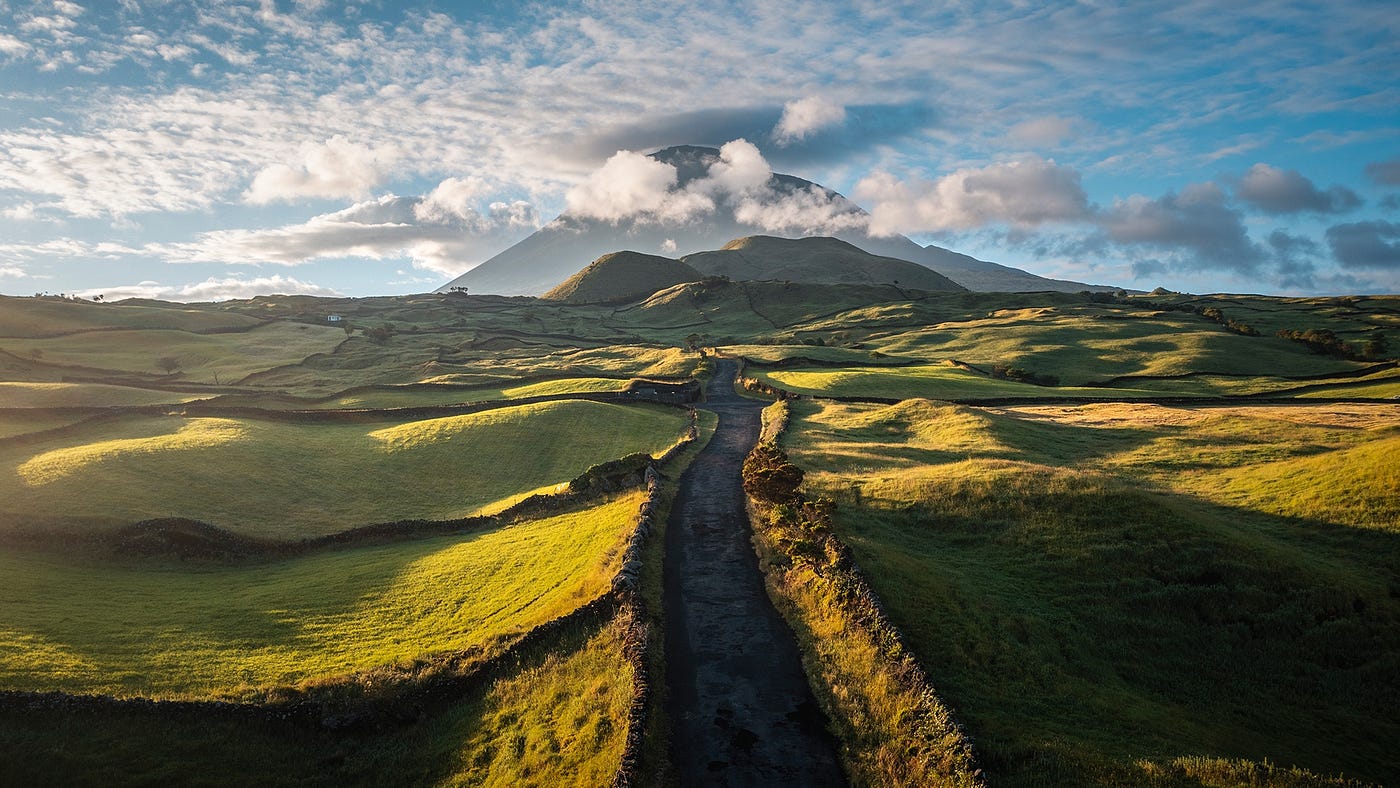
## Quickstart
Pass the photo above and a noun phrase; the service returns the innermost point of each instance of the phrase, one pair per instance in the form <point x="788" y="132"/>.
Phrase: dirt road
<point x="741" y="711"/>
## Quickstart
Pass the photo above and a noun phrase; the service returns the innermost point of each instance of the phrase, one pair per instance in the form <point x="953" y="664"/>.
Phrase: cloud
<point x="336" y="168"/>
<point x="438" y="232"/>
<point x="1021" y="193"/>
<point x="1296" y="257"/>
<point x="1366" y="244"/>
<point x="12" y="272"/>
<point x="628" y="184"/>
<point x="212" y="289"/>
<point x="13" y="47"/>
<point x="1276" y="191"/>
<point x="1386" y="173"/>
<point x="1199" y="221"/>
<point x="1041" y="132"/>
<point x="637" y="188"/>
<point x="805" y="117"/>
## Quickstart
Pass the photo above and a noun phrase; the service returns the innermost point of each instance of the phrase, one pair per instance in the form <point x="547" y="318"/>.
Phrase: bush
<point x="770" y="476"/>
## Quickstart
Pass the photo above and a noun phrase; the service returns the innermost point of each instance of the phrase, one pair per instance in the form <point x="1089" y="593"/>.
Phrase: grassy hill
<point x="1130" y="591"/>
<point x="286" y="480"/>
<point x="174" y="630"/>
<point x="620" y="277"/>
<point x="814" y="261"/>
<point x="1093" y="605"/>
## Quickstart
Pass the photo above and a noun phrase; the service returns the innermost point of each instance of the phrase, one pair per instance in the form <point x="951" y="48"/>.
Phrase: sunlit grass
<point x="563" y="721"/>
<point x="445" y="395"/>
<point x="934" y="381"/>
<point x="188" y="630"/>
<point x="291" y="480"/>
<point x="1090" y="586"/>
<point x="193" y="435"/>
<point x="557" y="718"/>
<point x="82" y="395"/>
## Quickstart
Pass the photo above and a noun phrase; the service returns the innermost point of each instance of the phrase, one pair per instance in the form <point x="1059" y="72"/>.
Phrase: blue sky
<point x="194" y="151"/>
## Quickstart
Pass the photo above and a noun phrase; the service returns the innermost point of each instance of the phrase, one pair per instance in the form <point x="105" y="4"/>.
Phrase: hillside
<point x="814" y="261"/>
<point x="622" y="276"/>
<point x="552" y="254"/>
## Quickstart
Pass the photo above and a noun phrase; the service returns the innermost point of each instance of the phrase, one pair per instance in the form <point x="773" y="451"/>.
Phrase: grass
<point x="39" y="317"/>
<point x="203" y="358"/>
<point x="938" y="381"/>
<point x="558" y="718"/>
<point x="15" y="423"/>
<point x="82" y="395"/>
<point x="284" y="480"/>
<point x="189" y="630"/>
<point x="1083" y="604"/>
<point x="444" y="395"/>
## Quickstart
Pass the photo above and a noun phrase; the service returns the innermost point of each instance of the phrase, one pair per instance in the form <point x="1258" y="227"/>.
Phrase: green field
<point x="933" y="381"/>
<point x="1101" y="588"/>
<point x="43" y="317"/>
<point x="285" y="481"/>
<point x="560" y="714"/>
<point x="204" y="358"/>
<point x="183" y="630"/>
<point x="1128" y="592"/>
<point x="83" y="395"/>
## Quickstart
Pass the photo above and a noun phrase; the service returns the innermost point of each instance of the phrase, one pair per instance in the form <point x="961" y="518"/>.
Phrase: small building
<point x="333" y="318"/>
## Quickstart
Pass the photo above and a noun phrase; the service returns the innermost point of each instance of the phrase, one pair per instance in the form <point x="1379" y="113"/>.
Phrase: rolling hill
<point x="622" y="276"/>
<point x="814" y="261"/>
<point x="546" y="258"/>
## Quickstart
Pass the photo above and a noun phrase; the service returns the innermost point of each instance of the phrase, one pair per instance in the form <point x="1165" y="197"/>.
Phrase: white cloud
<point x="633" y="187"/>
<point x="389" y="227"/>
<point x="12" y="272"/>
<point x="24" y="212"/>
<point x="13" y="47"/>
<point x="806" y="116"/>
<point x="1021" y="193"/>
<point x="336" y="168"/>
<point x="212" y="289"/>
<point x="626" y="185"/>
<point x="453" y="198"/>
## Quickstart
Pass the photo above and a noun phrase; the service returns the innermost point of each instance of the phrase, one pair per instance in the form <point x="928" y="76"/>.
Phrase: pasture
<point x="1103" y="588"/>
<point x="290" y="480"/>
<point x="191" y="630"/>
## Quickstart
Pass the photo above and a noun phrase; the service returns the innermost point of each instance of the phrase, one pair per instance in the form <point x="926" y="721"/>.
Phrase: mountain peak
<point x="786" y="205"/>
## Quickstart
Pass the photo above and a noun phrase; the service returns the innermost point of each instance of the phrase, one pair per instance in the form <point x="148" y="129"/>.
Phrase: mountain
<point x="622" y="276"/>
<point x="816" y="260"/>
<point x="546" y="258"/>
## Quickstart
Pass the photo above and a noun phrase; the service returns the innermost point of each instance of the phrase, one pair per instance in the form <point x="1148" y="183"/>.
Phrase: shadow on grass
<point x="1081" y="628"/>
<point x="144" y="744"/>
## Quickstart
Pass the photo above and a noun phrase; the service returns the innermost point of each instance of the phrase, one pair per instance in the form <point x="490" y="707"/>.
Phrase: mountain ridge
<point x="546" y="258"/>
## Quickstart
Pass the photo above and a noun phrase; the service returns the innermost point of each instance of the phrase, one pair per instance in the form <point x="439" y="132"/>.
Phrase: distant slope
<point x="813" y="261"/>
<point x="622" y="276"/>
<point x="557" y="250"/>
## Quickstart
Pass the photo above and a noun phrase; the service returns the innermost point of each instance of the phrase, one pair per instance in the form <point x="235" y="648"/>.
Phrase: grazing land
<point x="1102" y="588"/>
<point x="1119" y="539"/>
<point x="138" y="628"/>
<point x="279" y="480"/>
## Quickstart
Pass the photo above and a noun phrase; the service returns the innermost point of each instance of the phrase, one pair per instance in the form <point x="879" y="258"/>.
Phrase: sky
<point x="218" y="149"/>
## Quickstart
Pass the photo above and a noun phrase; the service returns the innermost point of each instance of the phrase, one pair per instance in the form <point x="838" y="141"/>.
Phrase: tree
<point x="1376" y="346"/>
<point x="168" y="363"/>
